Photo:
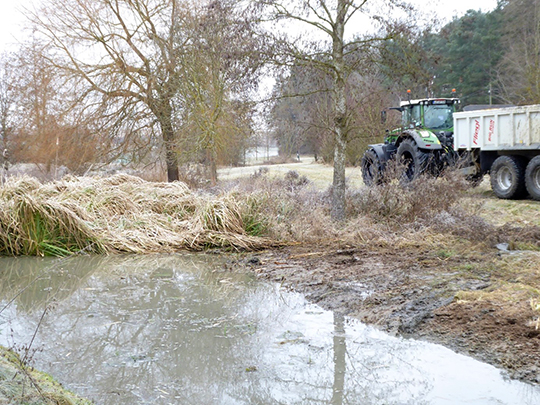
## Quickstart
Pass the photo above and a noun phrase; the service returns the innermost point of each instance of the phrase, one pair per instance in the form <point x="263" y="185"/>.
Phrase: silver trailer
<point x="504" y="142"/>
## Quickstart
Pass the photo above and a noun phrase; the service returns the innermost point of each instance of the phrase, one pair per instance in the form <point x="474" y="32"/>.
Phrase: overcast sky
<point x="12" y="20"/>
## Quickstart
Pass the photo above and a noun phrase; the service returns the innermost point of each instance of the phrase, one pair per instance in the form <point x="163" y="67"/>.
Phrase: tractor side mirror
<point x="383" y="117"/>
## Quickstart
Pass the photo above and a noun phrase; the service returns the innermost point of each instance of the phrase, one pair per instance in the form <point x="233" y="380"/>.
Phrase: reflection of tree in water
<point x="141" y="320"/>
<point x="33" y="283"/>
<point x="162" y="329"/>
<point x="329" y="374"/>
<point x="340" y="367"/>
<point x="377" y="371"/>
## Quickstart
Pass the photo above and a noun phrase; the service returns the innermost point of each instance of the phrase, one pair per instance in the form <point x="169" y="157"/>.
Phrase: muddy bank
<point x="419" y="294"/>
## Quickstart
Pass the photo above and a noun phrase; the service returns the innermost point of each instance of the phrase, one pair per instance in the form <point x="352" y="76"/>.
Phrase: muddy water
<point x="181" y="330"/>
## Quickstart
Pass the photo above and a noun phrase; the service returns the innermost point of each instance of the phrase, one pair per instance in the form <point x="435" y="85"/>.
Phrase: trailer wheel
<point x="532" y="178"/>
<point x="508" y="177"/>
<point x="372" y="170"/>
<point x="414" y="160"/>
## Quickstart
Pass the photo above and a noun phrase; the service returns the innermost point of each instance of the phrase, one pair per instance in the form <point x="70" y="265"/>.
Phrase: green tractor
<point x="423" y="144"/>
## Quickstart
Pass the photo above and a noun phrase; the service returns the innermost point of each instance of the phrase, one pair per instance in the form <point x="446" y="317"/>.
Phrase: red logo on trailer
<point x="491" y="129"/>
<point x="476" y="131"/>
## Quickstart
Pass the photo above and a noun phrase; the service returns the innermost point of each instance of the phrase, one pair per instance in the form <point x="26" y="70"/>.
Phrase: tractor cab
<point x="434" y="114"/>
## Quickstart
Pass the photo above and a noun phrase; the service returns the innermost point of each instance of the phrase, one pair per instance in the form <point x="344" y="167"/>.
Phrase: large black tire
<point x="532" y="178"/>
<point x="414" y="160"/>
<point x="508" y="177"/>
<point x="372" y="170"/>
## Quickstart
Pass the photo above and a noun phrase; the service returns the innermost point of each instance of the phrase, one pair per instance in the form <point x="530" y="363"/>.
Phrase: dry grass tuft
<point x="422" y="199"/>
<point x="34" y="224"/>
<point x="430" y="203"/>
<point x="286" y="209"/>
<point x="392" y="214"/>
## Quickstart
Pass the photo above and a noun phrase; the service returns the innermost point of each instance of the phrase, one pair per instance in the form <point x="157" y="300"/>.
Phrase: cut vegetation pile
<point x="119" y="214"/>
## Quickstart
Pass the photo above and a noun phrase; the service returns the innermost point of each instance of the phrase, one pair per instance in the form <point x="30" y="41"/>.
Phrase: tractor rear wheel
<point x="372" y="170"/>
<point x="508" y="177"/>
<point x="414" y="160"/>
<point x="532" y="178"/>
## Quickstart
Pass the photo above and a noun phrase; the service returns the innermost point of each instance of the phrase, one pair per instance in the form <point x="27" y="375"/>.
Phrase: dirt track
<point x="413" y="294"/>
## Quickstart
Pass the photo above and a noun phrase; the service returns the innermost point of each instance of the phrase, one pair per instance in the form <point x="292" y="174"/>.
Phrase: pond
<point x="181" y="329"/>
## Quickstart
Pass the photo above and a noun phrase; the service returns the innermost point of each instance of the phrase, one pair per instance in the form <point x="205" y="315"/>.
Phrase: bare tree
<point x="519" y="69"/>
<point x="36" y="88"/>
<point x="7" y="106"/>
<point x="302" y="112"/>
<point x="334" y="55"/>
<point x="124" y="53"/>
<point x="7" y="101"/>
<point x="148" y="65"/>
<point x="40" y="125"/>
<point x="221" y="67"/>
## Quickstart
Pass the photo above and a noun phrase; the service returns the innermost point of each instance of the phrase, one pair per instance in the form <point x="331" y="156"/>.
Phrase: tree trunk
<point x="167" y="131"/>
<point x="172" y="164"/>
<point x="338" y="185"/>
<point x="170" y="154"/>
<point x="212" y="166"/>
<point x="340" y="120"/>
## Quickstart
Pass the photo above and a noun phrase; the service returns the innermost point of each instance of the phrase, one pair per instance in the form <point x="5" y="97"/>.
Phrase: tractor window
<point x="438" y="117"/>
<point x="411" y="116"/>
<point x="415" y="115"/>
<point x="406" y="117"/>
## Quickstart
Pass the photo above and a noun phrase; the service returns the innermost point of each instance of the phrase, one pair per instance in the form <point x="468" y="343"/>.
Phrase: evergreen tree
<point x="465" y="55"/>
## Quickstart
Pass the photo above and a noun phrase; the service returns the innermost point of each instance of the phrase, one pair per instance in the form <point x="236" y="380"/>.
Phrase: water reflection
<point x="178" y="329"/>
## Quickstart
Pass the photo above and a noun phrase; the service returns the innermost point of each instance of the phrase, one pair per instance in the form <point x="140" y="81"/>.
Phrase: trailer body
<point x="504" y="142"/>
<point x="498" y="130"/>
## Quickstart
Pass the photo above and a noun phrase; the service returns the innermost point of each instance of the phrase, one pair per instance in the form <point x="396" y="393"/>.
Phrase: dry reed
<point x="118" y="214"/>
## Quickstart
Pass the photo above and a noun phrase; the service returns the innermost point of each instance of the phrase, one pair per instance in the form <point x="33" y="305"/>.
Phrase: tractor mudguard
<point x="424" y="138"/>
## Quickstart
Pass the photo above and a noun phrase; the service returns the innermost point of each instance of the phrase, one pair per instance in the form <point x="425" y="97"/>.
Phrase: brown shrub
<point x="397" y="202"/>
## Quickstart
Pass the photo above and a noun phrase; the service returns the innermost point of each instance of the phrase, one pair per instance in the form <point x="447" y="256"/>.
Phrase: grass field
<point x="499" y="212"/>
<point x="318" y="173"/>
